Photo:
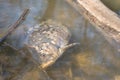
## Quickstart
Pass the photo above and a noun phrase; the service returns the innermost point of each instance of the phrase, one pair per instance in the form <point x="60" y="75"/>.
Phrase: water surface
<point x="93" y="59"/>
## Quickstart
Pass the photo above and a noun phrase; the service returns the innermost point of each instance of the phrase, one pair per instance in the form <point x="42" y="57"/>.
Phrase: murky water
<point x="93" y="59"/>
<point x="113" y="5"/>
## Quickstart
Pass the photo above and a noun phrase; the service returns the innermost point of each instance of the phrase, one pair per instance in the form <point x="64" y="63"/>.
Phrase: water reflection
<point x="94" y="59"/>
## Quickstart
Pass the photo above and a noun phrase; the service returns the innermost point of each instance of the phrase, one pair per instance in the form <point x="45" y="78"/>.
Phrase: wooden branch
<point x="106" y="21"/>
<point x="15" y="25"/>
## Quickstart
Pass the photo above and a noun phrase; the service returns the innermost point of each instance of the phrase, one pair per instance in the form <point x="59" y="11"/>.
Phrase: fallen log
<point x="105" y="20"/>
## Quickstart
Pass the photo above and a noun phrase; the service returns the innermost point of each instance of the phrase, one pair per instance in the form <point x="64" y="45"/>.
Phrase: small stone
<point x="46" y="40"/>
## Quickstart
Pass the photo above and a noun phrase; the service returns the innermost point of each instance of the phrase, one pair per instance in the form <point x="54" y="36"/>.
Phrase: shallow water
<point x="113" y="5"/>
<point x="93" y="59"/>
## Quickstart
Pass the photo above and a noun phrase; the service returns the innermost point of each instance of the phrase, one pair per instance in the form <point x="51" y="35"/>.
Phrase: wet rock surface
<point x="48" y="39"/>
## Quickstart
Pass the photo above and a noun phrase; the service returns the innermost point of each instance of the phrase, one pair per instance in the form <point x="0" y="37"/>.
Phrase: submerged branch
<point x="15" y="25"/>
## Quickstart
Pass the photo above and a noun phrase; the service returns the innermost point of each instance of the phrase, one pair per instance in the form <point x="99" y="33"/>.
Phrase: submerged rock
<point x="42" y="44"/>
<point x="48" y="41"/>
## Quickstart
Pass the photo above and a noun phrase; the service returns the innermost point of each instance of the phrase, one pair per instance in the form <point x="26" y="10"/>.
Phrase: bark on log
<point x="105" y="20"/>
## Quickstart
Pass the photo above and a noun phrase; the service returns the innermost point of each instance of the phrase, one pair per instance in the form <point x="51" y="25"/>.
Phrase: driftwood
<point x="15" y="25"/>
<point x="106" y="21"/>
